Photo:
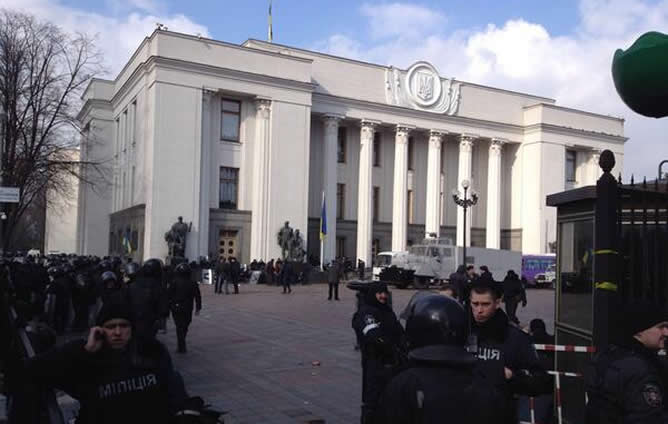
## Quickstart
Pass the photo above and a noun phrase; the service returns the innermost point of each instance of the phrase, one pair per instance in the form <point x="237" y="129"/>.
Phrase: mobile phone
<point x="99" y="336"/>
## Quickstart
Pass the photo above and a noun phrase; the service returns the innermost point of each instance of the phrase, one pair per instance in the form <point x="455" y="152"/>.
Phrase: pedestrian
<point x="495" y="338"/>
<point x="513" y="294"/>
<point x="442" y="383"/>
<point x="286" y="276"/>
<point x="485" y="275"/>
<point x="233" y="274"/>
<point x="459" y="280"/>
<point x="627" y="383"/>
<point x="183" y="292"/>
<point x="220" y="276"/>
<point x="449" y="290"/>
<point x="333" y="279"/>
<point x="382" y="344"/>
<point x="115" y="377"/>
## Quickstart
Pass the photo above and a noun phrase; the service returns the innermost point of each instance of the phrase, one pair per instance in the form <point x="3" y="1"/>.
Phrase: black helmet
<point x="182" y="268"/>
<point x="131" y="269"/>
<point x="152" y="268"/>
<point x="53" y="271"/>
<point x="105" y="265"/>
<point x="108" y="276"/>
<point x="436" y="330"/>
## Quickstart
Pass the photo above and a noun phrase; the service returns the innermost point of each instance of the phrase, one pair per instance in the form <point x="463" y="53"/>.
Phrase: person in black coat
<point x="444" y="383"/>
<point x="459" y="280"/>
<point x="383" y="347"/>
<point x="513" y="294"/>
<point x="627" y="384"/>
<point x="233" y="274"/>
<point x="148" y="299"/>
<point x="115" y="378"/>
<point x="183" y="293"/>
<point x="334" y="274"/>
<point x="495" y="338"/>
<point x="287" y="276"/>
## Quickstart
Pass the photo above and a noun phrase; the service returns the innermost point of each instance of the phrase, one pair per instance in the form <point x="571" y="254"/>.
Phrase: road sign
<point x="9" y="195"/>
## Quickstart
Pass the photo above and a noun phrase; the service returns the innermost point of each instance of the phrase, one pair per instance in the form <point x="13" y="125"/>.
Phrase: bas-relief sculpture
<point x="420" y="87"/>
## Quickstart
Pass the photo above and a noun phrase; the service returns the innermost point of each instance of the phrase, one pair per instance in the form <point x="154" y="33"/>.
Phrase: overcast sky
<point x="559" y="49"/>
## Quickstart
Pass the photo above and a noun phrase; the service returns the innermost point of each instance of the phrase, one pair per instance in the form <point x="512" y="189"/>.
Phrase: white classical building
<point x="238" y="139"/>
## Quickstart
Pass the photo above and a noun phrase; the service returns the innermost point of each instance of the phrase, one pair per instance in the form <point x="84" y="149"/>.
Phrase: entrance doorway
<point x="228" y="244"/>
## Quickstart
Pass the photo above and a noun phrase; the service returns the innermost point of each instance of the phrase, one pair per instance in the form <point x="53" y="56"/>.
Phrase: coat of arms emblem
<point x="425" y="85"/>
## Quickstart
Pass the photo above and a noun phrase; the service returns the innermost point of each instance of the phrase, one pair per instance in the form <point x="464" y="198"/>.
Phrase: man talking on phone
<point x="116" y="377"/>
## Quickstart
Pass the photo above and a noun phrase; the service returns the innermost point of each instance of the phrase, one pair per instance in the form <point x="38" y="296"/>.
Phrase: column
<point x="400" y="189"/>
<point x="260" y="213"/>
<point x="364" y="223"/>
<point x="433" y="210"/>
<point x="465" y="159"/>
<point x="595" y="171"/>
<point x="205" y="175"/>
<point x="494" y="194"/>
<point x="329" y="182"/>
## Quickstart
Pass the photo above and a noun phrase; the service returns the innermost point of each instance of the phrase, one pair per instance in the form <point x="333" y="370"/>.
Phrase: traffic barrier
<point x="557" y="377"/>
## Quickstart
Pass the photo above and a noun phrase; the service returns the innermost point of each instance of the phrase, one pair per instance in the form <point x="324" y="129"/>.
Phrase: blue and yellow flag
<point x="323" y="219"/>
<point x="126" y="242"/>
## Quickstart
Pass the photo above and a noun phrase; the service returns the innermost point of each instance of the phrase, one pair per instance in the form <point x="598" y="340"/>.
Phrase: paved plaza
<point x="268" y="357"/>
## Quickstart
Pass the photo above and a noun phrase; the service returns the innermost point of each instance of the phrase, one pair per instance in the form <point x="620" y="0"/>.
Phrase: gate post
<point x="606" y="253"/>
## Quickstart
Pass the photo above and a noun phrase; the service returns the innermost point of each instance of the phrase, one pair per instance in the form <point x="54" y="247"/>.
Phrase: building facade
<point x="238" y="139"/>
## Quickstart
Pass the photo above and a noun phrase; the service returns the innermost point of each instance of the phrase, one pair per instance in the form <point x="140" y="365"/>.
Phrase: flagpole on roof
<point x="270" y="34"/>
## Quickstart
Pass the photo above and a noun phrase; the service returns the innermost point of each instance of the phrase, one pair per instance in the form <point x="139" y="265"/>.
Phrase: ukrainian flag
<point x="323" y="219"/>
<point x="126" y="242"/>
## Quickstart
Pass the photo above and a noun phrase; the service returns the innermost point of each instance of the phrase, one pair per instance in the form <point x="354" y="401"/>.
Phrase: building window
<point x="132" y="185"/>
<point x="340" y="247"/>
<point x="340" y="200"/>
<point x="133" y="128"/>
<point x="570" y="166"/>
<point x="376" y="202"/>
<point x="341" y="145"/>
<point x="118" y="137"/>
<point x="230" y="120"/>
<point x="410" y="203"/>
<point x="229" y="185"/>
<point x="376" y="148"/>
<point x="375" y="247"/>
<point x="411" y="156"/>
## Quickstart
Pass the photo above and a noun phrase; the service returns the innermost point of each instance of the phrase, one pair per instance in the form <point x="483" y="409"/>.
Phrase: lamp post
<point x="465" y="202"/>
<point x="3" y="215"/>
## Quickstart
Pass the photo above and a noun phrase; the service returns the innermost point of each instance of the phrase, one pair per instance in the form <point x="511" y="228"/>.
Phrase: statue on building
<point x="285" y="235"/>
<point x="297" y="251"/>
<point x="176" y="238"/>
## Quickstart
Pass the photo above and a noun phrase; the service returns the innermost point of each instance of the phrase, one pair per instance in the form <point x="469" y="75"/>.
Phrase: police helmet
<point x="108" y="276"/>
<point x="152" y="268"/>
<point x="105" y="266"/>
<point x="53" y="271"/>
<point x="131" y="269"/>
<point x="182" y="268"/>
<point x="436" y="330"/>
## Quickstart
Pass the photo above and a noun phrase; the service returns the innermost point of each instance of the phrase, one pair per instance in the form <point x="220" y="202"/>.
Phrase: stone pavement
<point x="254" y="354"/>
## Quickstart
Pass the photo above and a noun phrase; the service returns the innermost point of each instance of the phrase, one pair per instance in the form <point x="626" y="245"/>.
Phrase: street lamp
<point x="465" y="202"/>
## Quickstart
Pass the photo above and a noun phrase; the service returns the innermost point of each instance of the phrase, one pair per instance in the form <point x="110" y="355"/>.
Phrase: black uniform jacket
<point x="445" y="391"/>
<point x="626" y="385"/>
<point x="382" y="342"/>
<point x="182" y="294"/>
<point x="499" y="340"/>
<point x="113" y="386"/>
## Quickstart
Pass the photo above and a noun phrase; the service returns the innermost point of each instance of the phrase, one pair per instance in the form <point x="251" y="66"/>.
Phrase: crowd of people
<point x="119" y="371"/>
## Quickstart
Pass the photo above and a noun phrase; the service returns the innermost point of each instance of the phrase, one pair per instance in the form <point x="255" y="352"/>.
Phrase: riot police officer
<point x="383" y="347"/>
<point x="626" y="384"/>
<point x="442" y="384"/>
<point x="182" y="293"/>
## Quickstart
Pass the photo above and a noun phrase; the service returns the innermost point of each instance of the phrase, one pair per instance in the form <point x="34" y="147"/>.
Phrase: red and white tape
<point x="565" y="348"/>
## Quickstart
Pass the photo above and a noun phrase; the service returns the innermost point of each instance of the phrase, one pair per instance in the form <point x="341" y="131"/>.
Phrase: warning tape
<point x="565" y="348"/>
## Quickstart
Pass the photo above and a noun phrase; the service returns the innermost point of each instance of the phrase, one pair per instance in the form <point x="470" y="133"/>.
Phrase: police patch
<point x="652" y="395"/>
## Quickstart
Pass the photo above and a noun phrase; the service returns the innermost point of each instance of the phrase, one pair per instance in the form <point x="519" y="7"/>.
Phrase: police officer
<point x="626" y="384"/>
<point x="442" y="384"/>
<point x="115" y="378"/>
<point x="334" y="274"/>
<point x="383" y="346"/>
<point x="182" y="293"/>
<point x="147" y="296"/>
<point x="495" y="338"/>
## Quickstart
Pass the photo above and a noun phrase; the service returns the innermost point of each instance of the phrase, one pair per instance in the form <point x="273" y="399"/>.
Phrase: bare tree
<point x="43" y="73"/>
